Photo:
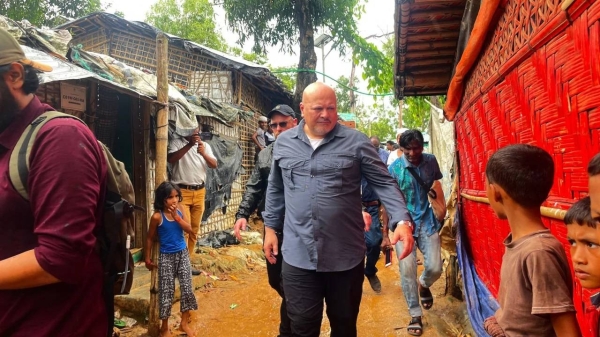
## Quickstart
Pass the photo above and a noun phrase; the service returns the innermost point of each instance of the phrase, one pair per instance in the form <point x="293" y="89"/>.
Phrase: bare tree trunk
<point x="308" y="57"/>
<point x="162" y="137"/>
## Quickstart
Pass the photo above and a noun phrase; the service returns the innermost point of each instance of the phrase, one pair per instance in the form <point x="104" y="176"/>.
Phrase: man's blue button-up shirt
<point x="318" y="191"/>
<point x="415" y="195"/>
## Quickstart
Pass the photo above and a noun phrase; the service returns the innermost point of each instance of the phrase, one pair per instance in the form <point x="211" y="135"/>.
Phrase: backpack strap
<point x="18" y="166"/>
<point x="420" y="181"/>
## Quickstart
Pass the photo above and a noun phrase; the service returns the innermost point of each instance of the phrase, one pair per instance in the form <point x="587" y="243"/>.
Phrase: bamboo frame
<point x="548" y="212"/>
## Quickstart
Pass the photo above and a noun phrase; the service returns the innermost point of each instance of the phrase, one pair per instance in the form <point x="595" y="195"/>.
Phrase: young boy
<point x="594" y="188"/>
<point x="585" y="246"/>
<point x="535" y="280"/>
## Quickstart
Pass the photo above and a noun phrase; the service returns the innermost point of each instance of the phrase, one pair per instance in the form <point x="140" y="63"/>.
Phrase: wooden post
<point x="162" y="96"/>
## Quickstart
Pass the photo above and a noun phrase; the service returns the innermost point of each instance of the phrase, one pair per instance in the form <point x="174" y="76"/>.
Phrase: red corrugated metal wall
<point x="537" y="82"/>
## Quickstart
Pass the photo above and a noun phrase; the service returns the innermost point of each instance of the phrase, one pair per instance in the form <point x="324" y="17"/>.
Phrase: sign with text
<point x="72" y="97"/>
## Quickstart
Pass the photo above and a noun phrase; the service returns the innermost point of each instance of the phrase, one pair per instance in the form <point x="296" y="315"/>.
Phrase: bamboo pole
<point x="549" y="212"/>
<point x="162" y="96"/>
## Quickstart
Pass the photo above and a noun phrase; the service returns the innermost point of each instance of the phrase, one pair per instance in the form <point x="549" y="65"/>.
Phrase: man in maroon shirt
<point x="50" y="275"/>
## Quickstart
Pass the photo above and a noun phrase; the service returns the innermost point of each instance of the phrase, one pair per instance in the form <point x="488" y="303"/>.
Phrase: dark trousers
<point x="305" y="291"/>
<point x="276" y="282"/>
<point x="373" y="240"/>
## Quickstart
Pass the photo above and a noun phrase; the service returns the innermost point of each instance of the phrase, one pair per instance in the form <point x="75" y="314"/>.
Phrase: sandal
<point x="426" y="297"/>
<point x="415" y="327"/>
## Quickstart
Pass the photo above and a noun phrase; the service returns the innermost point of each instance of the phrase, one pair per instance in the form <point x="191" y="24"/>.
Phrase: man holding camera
<point x="190" y="158"/>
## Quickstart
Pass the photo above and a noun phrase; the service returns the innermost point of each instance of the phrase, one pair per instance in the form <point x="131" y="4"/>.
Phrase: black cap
<point x="282" y="109"/>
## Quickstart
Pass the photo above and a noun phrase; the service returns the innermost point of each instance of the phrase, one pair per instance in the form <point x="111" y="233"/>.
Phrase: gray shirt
<point x="318" y="191"/>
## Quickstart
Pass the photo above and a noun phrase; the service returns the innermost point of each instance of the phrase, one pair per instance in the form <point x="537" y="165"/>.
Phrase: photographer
<point x="190" y="158"/>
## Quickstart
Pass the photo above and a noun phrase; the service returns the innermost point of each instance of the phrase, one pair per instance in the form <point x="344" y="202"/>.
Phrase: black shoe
<point x="375" y="283"/>
<point x="196" y="272"/>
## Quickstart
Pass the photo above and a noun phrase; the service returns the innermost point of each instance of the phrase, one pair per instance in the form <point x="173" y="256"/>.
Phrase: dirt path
<point x="243" y="304"/>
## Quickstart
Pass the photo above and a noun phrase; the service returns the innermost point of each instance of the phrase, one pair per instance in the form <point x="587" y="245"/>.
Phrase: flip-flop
<point x="119" y="323"/>
<point x="415" y="327"/>
<point x="426" y="297"/>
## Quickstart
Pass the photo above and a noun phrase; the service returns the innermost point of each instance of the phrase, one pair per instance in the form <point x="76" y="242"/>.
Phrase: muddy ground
<point x="241" y="303"/>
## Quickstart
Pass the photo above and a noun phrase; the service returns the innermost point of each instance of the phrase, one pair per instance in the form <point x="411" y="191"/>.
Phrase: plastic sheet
<point x="480" y="302"/>
<point x="219" y="181"/>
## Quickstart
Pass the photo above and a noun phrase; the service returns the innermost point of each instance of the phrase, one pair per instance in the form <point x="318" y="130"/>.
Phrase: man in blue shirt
<point x="315" y="183"/>
<point x="426" y="225"/>
<point x="373" y="238"/>
<point x="383" y="154"/>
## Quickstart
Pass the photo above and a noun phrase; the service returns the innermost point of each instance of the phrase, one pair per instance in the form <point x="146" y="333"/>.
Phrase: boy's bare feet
<point x="165" y="333"/>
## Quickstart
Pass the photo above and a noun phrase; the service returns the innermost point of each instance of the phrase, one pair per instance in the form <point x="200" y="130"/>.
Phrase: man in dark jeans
<point x="282" y="119"/>
<point x="312" y="196"/>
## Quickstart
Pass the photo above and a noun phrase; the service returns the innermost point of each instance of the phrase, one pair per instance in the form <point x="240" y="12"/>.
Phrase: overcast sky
<point x="378" y="19"/>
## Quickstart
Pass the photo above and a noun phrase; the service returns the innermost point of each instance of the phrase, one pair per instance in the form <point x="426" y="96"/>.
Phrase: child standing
<point x="174" y="261"/>
<point x="535" y="280"/>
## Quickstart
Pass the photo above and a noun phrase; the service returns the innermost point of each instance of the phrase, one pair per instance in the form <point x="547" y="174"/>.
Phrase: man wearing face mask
<point x="282" y="119"/>
<point x="49" y="270"/>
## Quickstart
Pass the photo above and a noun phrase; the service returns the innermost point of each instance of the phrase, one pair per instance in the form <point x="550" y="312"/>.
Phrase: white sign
<point x="72" y="97"/>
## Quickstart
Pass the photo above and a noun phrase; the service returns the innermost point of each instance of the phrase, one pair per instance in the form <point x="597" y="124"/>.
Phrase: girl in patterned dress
<point x="169" y="223"/>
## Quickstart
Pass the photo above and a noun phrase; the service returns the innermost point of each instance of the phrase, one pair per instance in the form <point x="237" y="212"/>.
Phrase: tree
<point x="291" y="23"/>
<point x="288" y="79"/>
<point x="43" y="12"/>
<point x="416" y="113"/>
<point x="189" y="19"/>
<point x="252" y="57"/>
<point x="343" y="93"/>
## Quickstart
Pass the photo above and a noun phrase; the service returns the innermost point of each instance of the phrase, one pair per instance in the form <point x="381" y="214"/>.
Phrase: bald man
<point x="313" y="196"/>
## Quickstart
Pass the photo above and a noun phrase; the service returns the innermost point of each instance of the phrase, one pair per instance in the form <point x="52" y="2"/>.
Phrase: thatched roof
<point x="427" y="33"/>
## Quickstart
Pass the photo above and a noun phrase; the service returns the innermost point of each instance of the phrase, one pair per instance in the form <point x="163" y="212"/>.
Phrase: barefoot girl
<point x="174" y="261"/>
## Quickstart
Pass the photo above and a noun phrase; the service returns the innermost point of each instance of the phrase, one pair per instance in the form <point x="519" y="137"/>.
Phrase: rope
<point x="331" y="78"/>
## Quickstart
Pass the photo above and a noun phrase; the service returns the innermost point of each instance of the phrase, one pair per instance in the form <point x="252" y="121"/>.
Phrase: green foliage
<point x="120" y="14"/>
<point x="189" y="19"/>
<point x="377" y="121"/>
<point x="343" y="94"/>
<point x="252" y="57"/>
<point x="416" y="113"/>
<point x="288" y="79"/>
<point x="43" y="12"/>
<point x="276" y="22"/>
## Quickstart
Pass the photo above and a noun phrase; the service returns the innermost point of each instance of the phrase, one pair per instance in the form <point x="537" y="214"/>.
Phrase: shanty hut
<point x="200" y="71"/>
<point x="519" y="71"/>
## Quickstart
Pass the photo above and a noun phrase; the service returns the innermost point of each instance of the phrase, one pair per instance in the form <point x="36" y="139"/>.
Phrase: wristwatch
<point x="403" y="222"/>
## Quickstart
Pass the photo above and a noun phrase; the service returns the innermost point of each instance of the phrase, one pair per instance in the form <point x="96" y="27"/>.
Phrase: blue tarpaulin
<point x="480" y="302"/>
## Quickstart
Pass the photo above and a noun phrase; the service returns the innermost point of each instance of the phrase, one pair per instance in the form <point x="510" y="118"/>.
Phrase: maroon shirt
<point x="66" y="183"/>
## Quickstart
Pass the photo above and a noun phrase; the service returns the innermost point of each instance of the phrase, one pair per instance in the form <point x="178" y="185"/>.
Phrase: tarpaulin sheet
<point x="466" y="26"/>
<point x="480" y="302"/>
<point x="219" y="181"/>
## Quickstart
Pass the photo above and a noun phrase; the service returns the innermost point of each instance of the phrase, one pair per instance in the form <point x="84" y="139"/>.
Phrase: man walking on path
<point x="373" y="238"/>
<point x="282" y="119"/>
<point x="426" y="225"/>
<point x="191" y="158"/>
<point x="316" y="171"/>
<point x="50" y="274"/>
